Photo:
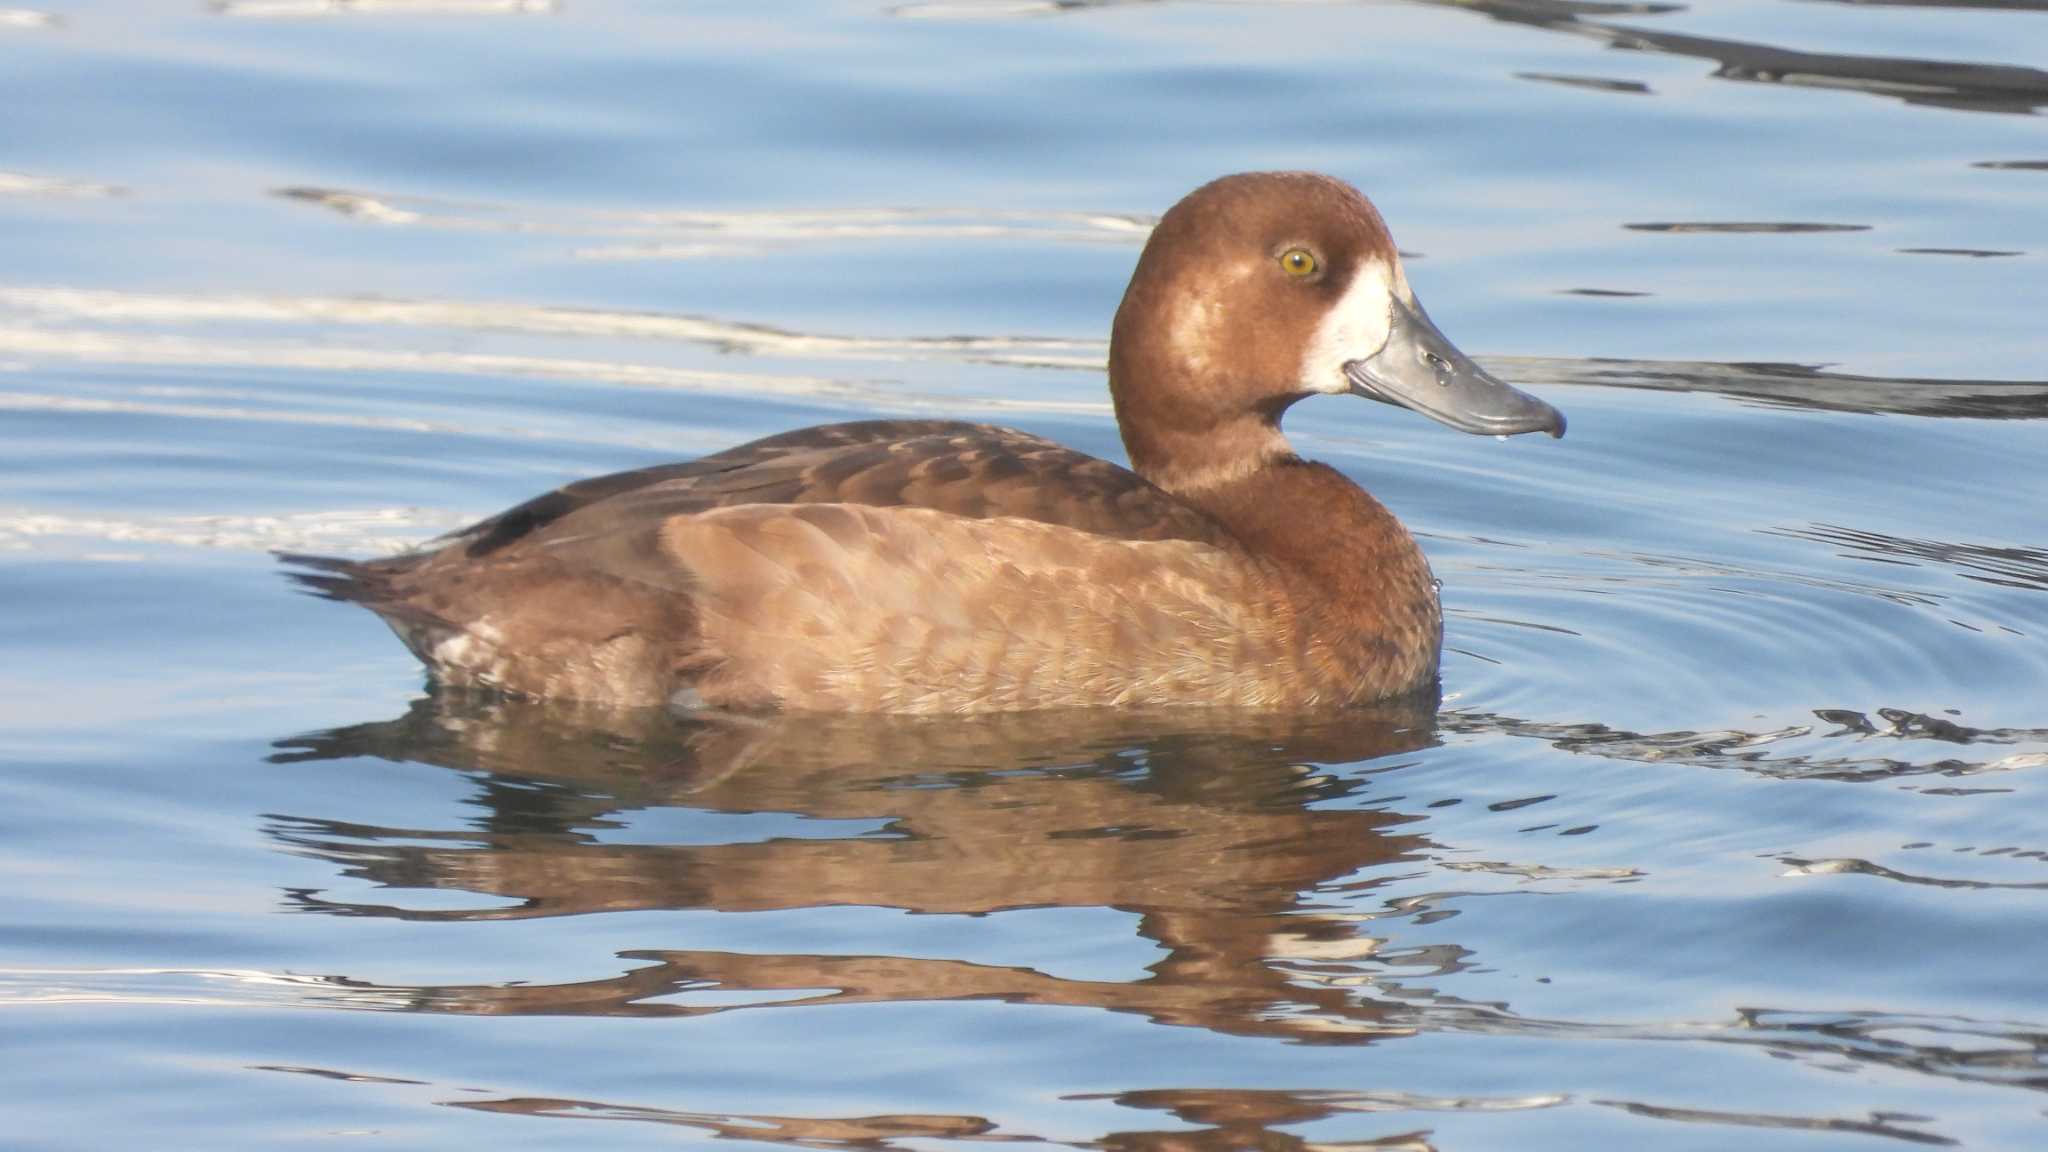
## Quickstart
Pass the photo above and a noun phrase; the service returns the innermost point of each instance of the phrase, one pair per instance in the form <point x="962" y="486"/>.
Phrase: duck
<point x="945" y="567"/>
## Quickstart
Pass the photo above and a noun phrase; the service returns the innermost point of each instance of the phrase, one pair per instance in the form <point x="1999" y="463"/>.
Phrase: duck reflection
<point x="1216" y="830"/>
<point x="1236" y="843"/>
<point x="1213" y="1119"/>
<point x="872" y="1133"/>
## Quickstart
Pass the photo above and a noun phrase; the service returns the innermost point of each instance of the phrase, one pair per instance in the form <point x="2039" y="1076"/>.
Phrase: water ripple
<point x="2003" y="565"/>
<point x="721" y="335"/>
<point x="1813" y="755"/>
<point x="1779" y="385"/>
<point x="1848" y="866"/>
<point x="682" y="235"/>
<point x="1878" y="1124"/>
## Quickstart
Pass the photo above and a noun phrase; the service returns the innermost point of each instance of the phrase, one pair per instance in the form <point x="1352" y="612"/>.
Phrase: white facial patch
<point x="1401" y="288"/>
<point x="1355" y="328"/>
<point x="1191" y="327"/>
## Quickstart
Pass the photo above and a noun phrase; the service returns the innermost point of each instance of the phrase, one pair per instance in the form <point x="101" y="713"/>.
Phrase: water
<point x="1729" y="831"/>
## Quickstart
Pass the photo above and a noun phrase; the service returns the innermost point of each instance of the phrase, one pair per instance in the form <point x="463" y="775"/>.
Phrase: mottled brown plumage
<point x="934" y="566"/>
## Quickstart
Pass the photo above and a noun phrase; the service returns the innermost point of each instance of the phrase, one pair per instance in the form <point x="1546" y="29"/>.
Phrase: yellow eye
<point x="1299" y="262"/>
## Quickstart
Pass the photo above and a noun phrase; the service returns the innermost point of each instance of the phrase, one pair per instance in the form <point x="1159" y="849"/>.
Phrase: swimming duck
<point x="947" y="567"/>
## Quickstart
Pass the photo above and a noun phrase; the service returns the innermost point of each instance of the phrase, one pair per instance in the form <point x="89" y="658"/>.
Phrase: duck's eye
<point x="1299" y="262"/>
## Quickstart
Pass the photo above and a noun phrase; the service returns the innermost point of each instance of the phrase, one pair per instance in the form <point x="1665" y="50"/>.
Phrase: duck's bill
<point x="1418" y="368"/>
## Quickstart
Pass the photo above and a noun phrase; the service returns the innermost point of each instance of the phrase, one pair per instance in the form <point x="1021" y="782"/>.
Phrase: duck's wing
<point x="608" y="527"/>
<point x="613" y="589"/>
<point x="978" y="471"/>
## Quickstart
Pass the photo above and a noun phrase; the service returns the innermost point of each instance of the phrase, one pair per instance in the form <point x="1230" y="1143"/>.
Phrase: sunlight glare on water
<point x="1729" y="828"/>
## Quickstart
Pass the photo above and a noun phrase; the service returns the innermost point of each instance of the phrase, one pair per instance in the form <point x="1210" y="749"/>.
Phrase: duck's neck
<point x="1192" y="454"/>
<point x="1313" y="521"/>
<point x="1356" y="575"/>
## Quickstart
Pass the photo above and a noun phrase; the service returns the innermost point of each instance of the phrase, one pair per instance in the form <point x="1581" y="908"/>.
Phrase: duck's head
<point x="1260" y="289"/>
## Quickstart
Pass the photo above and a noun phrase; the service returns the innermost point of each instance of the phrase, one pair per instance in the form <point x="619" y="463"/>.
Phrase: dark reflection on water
<point x="1972" y="253"/>
<point x="1745" y="227"/>
<point x="1765" y="753"/>
<point x="1887" y="1125"/>
<point x="1985" y="5"/>
<point x="1950" y="84"/>
<point x="1219" y="1119"/>
<point x="1800" y="386"/>
<point x="1842" y="865"/>
<point x="1597" y="83"/>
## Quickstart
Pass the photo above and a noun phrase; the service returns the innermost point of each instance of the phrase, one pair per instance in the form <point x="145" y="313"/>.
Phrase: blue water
<point x="1730" y="831"/>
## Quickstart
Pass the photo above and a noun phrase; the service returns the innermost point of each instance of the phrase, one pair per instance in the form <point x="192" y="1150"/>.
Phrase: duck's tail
<point x="333" y="578"/>
<point x="326" y="577"/>
<point x="372" y="584"/>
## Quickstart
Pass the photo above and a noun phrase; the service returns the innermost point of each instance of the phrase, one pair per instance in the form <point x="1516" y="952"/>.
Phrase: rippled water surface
<point x="1732" y="829"/>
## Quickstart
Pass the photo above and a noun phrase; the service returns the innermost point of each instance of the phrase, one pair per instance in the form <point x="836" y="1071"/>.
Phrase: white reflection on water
<point x="299" y="9"/>
<point x="29" y="184"/>
<point x="690" y="234"/>
<point x="724" y="335"/>
<point x="353" y="530"/>
<point x="120" y="348"/>
<point x="239" y="987"/>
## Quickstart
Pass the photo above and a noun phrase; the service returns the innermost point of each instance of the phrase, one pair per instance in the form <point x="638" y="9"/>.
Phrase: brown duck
<point x="937" y="566"/>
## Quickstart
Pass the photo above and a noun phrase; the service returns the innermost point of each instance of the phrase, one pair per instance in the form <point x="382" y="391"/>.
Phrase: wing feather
<point x="895" y="565"/>
<point x="974" y="470"/>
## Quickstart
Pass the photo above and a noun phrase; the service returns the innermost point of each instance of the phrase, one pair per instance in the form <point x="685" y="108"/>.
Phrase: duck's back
<point x="887" y="565"/>
<point x="979" y="471"/>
